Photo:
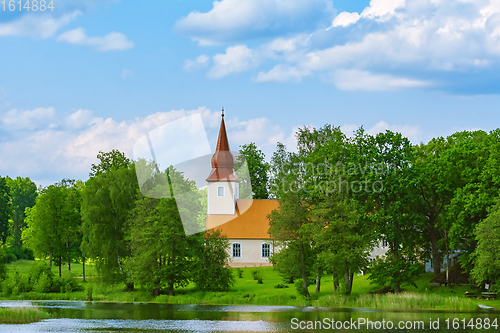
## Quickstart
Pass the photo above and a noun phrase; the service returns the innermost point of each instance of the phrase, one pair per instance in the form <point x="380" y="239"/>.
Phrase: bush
<point x="258" y="275"/>
<point x="43" y="284"/>
<point x="280" y="286"/>
<point x="88" y="292"/>
<point x="240" y="272"/>
<point x="37" y="270"/>
<point x="15" y="284"/>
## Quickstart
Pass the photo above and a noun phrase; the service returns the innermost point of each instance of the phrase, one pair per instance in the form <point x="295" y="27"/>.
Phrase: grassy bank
<point x="22" y="315"/>
<point x="247" y="291"/>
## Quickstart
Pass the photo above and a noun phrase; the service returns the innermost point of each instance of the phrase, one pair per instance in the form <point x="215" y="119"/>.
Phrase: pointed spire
<point x="222" y="160"/>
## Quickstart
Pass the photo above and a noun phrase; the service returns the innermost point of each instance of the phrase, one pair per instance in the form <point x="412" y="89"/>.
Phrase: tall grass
<point x="22" y="315"/>
<point x="403" y="301"/>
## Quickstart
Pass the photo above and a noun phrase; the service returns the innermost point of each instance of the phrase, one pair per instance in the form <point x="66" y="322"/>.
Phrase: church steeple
<point x="222" y="160"/>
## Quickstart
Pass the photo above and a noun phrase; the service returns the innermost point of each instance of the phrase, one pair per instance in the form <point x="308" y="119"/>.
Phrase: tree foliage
<point x="4" y="210"/>
<point x="213" y="272"/>
<point x="486" y="257"/>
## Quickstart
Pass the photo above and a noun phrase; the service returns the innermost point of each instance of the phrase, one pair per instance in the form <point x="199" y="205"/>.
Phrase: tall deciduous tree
<point x="23" y="194"/>
<point x="476" y="158"/>
<point x="435" y="184"/>
<point x="47" y="224"/>
<point x="391" y="206"/>
<point x="162" y="254"/>
<point x="290" y="225"/>
<point x="107" y="198"/>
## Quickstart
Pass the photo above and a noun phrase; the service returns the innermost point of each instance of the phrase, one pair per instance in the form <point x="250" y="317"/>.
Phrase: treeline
<point x="130" y="238"/>
<point x="340" y="196"/>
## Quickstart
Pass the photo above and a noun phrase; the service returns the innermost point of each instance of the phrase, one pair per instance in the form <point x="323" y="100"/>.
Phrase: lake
<point x="77" y="316"/>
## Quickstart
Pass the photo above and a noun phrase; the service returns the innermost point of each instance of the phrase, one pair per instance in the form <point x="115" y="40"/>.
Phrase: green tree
<point x="107" y="199"/>
<point x="292" y="229"/>
<point x="390" y="206"/>
<point x="476" y="157"/>
<point x="344" y="238"/>
<point x="4" y="210"/>
<point x="435" y="184"/>
<point x="486" y="256"/>
<point x="213" y="272"/>
<point x="23" y="193"/>
<point x="258" y="172"/>
<point x="47" y="225"/>
<point x="162" y="254"/>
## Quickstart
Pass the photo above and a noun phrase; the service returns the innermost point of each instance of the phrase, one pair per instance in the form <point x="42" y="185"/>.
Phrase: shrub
<point x="240" y="272"/>
<point x="43" y="284"/>
<point x="37" y="270"/>
<point x="88" y="292"/>
<point x="258" y="275"/>
<point x="280" y="286"/>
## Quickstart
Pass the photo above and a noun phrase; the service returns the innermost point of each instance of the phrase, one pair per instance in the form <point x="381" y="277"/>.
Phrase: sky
<point x="95" y="75"/>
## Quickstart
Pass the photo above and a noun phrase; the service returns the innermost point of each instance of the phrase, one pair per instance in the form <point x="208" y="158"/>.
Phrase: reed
<point x="22" y="315"/>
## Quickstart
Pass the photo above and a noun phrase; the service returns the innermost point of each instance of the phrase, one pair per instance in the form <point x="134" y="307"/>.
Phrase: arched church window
<point x="220" y="191"/>
<point x="236" y="250"/>
<point x="266" y="250"/>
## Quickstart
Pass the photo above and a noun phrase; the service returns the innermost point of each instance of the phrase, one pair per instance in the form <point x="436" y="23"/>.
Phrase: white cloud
<point x="236" y="59"/>
<point x="411" y="132"/>
<point x="49" y="153"/>
<point x="231" y="20"/>
<point x="344" y="19"/>
<point x="393" y="38"/>
<point x="28" y="119"/>
<point x="362" y="80"/>
<point x="282" y="73"/>
<point x="382" y="8"/>
<point x="109" y="42"/>
<point x="36" y="25"/>
<point x="193" y="65"/>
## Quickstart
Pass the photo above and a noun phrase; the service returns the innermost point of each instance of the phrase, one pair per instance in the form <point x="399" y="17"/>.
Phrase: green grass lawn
<point x="24" y="266"/>
<point x="246" y="290"/>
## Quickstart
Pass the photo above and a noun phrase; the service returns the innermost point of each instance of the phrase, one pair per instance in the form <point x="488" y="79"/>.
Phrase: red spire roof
<point x="222" y="160"/>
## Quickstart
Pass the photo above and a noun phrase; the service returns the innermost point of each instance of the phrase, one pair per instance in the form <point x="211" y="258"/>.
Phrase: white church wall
<point x="251" y="252"/>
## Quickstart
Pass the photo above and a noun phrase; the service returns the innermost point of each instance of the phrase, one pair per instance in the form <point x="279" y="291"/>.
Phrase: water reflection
<point x="78" y="316"/>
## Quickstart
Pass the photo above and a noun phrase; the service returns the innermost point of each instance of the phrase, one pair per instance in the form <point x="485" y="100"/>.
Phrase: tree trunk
<point x="130" y="286"/>
<point x="69" y="260"/>
<point x="83" y="268"/>
<point x="60" y="265"/>
<point x="318" y="280"/>
<point x="352" y="279"/>
<point x="303" y="271"/>
<point x="335" y="282"/>
<point x="171" y="289"/>
<point x="395" y="257"/>
<point x="347" y="281"/>
<point x="436" y="256"/>
<point x="50" y="257"/>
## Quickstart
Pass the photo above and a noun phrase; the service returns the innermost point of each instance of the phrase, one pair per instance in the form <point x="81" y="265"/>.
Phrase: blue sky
<point x="96" y="75"/>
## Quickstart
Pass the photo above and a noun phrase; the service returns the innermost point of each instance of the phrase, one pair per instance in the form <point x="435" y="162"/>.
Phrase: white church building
<point x="243" y="221"/>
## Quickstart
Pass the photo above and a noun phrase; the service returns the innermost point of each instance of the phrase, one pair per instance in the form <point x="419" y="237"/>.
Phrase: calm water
<point x="139" y="317"/>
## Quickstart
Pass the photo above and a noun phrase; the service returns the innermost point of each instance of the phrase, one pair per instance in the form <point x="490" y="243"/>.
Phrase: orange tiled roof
<point x="251" y="224"/>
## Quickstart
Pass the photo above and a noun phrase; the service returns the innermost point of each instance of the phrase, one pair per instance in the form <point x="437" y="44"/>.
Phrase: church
<point x="243" y="221"/>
